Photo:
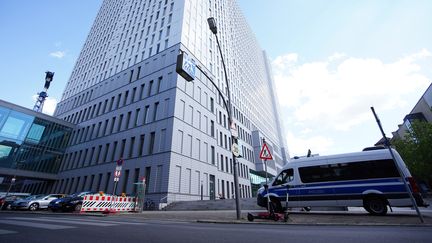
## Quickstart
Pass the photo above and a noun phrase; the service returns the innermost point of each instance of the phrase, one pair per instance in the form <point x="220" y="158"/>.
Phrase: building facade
<point x="422" y="111"/>
<point x="31" y="148"/>
<point x="128" y="102"/>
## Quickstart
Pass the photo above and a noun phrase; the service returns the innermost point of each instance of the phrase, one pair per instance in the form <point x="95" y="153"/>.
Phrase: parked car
<point x="6" y="202"/>
<point x="35" y="203"/>
<point x="72" y="202"/>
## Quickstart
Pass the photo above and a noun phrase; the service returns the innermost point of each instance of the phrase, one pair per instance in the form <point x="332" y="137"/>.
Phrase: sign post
<point x="387" y="143"/>
<point x="117" y="174"/>
<point x="265" y="155"/>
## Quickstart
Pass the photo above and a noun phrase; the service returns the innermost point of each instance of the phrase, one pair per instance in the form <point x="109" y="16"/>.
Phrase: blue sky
<point x="332" y="60"/>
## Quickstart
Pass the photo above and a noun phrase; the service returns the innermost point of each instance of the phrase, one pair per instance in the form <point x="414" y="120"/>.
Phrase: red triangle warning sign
<point x="265" y="152"/>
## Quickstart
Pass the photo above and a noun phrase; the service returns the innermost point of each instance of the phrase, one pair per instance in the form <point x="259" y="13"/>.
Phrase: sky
<point x="331" y="61"/>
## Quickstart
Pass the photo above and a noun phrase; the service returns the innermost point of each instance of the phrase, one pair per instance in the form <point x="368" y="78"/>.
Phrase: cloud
<point x="335" y="94"/>
<point x="336" y="56"/>
<point x="58" y="54"/>
<point x="49" y="105"/>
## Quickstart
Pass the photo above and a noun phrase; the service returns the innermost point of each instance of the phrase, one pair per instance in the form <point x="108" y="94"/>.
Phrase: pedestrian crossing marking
<point x="35" y="224"/>
<point x="4" y="232"/>
<point x="95" y="220"/>
<point x="63" y="221"/>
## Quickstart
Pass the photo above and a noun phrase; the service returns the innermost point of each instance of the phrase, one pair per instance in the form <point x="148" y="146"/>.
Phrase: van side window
<point x="349" y="171"/>
<point x="284" y="177"/>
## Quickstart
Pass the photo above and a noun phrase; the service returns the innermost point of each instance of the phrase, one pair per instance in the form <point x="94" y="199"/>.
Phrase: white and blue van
<point x="366" y="179"/>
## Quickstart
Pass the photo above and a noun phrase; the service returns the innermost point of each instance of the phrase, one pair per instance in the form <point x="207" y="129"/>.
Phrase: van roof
<point x="370" y="153"/>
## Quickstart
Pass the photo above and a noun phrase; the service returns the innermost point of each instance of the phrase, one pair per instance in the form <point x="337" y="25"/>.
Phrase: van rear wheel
<point x="375" y="205"/>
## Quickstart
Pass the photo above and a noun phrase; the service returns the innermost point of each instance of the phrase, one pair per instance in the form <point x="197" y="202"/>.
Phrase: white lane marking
<point x="3" y="232"/>
<point x="35" y="225"/>
<point x="95" y="220"/>
<point x="63" y="221"/>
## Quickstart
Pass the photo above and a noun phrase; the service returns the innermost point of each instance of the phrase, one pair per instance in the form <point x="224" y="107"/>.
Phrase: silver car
<point x="35" y="203"/>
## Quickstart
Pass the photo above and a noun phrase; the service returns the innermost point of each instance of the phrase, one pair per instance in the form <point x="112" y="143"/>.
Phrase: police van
<point x="368" y="179"/>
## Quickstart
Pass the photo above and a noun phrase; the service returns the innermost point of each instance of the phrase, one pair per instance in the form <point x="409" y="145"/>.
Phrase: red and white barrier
<point x="107" y="204"/>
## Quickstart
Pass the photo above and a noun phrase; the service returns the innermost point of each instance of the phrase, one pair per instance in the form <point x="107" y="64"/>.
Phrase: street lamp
<point x="13" y="180"/>
<point x="213" y="27"/>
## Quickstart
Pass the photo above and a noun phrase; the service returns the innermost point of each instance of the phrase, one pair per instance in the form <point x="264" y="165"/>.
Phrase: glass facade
<point x="30" y="142"/>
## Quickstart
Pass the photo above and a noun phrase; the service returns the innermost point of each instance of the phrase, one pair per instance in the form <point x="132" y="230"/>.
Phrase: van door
<point x="285" y="182"/>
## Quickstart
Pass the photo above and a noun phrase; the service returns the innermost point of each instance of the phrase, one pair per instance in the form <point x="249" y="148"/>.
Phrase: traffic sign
<point x="265" y="152"/>
<point x="235" y="149"/>
<point x="116" y="179"/>
<point x="117" y="173"/>
<point x="118" y="168"/>
<point x="234" y="131"/>
<point x="120" y="162"/>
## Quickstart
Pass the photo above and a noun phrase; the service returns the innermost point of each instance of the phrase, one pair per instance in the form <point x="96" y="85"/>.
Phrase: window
<point x="149" y="91"/>
<point x="114" y="151"/>
<point x="138" y="72"/>
<point x="152" y="142"/>
<point x="156" y="105"/>
<point x="131" y="147"/>
<point x="349" y="171"/>
<point x="98" y="154"/>
<point x="129" y="114"/>
<point x="146" y="111"/>
<point x="159" y="84"/>
<point x="125" y="98"/>
<point x="212" y="149"/>
<point x="141" y="145"/>
<point x="106" y="152"/>
<point x="133" y="95"/>
<point x="112" y="125"/>
<point x="212" y="132"/>
<point x="147" y="177"/>
<point x="120" y="123"/>
<point x="122" y="149"/>
<point x="284" y="177"/>
<point x="142" y="91"/>
<point x="137" y="116"/>
<point x="118" y="101"/>
<point x="131" y="76"/>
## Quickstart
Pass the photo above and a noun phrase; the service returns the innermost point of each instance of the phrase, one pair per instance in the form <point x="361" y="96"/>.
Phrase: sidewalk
<point x="296" y="218"/>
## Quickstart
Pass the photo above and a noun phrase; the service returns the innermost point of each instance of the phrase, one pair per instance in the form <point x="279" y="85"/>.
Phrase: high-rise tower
<point x="128" y="102"/>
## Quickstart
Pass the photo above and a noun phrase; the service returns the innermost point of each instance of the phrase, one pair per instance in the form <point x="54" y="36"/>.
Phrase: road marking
<point x="63" y="221"/>
<point x="100" y="221"/>
<point x="3" y="232"/>
<point x="35" y="225"/>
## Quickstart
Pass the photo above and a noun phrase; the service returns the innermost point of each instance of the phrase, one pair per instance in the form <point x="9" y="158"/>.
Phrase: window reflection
<point x="34" y="143"/>
<point x="16" y="126"/>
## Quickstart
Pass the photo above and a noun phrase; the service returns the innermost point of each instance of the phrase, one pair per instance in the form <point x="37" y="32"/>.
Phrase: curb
<point x="308" y="224"/>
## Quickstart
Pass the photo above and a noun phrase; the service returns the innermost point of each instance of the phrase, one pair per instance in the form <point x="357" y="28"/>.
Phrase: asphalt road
<point x="63" y="228"/>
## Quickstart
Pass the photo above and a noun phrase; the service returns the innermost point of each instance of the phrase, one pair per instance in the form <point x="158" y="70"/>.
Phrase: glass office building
<point x="31" y="147"/>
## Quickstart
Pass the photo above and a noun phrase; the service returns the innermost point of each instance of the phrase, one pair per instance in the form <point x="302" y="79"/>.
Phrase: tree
<point x="416" y="150"/>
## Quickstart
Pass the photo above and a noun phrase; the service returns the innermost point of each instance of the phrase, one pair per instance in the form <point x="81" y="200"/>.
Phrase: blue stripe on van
<point x="335" y="183"/>
<point x="350" y="188"/>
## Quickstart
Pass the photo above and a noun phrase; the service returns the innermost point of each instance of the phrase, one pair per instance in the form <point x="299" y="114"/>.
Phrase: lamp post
<point x="13" y="180"/>
<point x="213" y="27"/>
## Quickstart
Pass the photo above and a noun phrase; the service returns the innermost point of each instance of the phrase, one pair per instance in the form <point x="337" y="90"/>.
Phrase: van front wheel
<point x="375" y="206"/>
<point x="275" y="203"/>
